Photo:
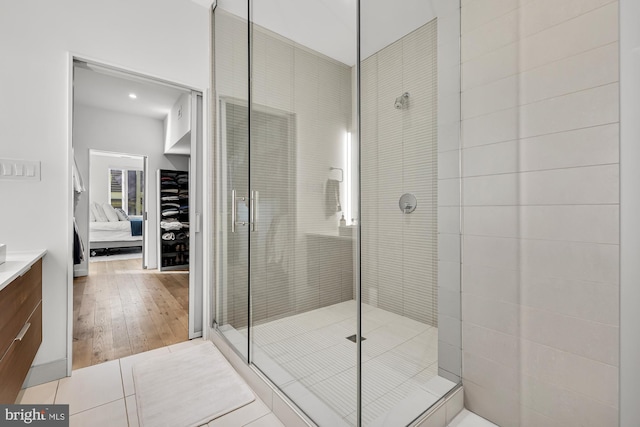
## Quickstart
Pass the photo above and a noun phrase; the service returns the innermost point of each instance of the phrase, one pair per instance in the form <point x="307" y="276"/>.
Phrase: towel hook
<point x="341" y="173"/>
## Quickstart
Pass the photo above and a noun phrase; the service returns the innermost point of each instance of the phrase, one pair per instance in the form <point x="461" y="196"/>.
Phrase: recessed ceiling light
<point x="133" y="96"/>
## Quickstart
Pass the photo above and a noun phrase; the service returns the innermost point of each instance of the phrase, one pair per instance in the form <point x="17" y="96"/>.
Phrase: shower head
<point x="402" y="101"/>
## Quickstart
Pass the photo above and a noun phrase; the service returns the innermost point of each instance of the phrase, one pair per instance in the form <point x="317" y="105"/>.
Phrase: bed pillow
<point x="92" y="216"/>
<point x="110" y="212"/>
<point x="122" y="215"/>
<point x="98" y="212"/>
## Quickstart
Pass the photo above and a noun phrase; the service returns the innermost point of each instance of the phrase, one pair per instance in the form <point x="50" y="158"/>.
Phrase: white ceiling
<point x="326" y="26"/>
<point x="329" y="26"/>
<point x="103" y="88"/>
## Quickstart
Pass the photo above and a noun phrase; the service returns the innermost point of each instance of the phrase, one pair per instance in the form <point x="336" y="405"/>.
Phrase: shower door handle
<point x="253" y="208"/>
<point x="234" y="210"/>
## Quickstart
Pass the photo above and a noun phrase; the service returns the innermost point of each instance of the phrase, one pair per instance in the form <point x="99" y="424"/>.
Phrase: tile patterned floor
<point x="103" y="396"/>
<point x="309" y="358"/>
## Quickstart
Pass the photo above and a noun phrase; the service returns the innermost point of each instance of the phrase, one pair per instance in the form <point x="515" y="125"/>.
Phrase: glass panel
<point x="232" y="238"/>
<point x="135" y="192"/>
<point x="409" y="97"/>
<point x="302" y="263"/>
<point x="292" y="158"/>
<point x="126" y="190"/>
<point x="116" y="178"/>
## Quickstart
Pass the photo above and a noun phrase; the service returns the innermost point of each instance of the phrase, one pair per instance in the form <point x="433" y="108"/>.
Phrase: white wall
<point x="540" y="212"/>
<point x="99" y="129"/>
<point x="164" y="38"/>
<point x="177" y="126"/>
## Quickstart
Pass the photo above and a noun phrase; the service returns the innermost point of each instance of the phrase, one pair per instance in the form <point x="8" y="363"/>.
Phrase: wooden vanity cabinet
<point x="20" y="330"/>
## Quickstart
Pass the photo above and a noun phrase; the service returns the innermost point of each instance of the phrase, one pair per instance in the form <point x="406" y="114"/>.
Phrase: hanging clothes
<point x="78" y="184"/>
<point x="78" y="246"/>
<point x="78" y="189"/>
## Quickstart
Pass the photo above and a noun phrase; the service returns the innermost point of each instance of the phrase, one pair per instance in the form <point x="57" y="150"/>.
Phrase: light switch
<point x="28" y="170"/>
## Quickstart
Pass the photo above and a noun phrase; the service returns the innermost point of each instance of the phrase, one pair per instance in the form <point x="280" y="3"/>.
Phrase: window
<point x="126" y="190"/>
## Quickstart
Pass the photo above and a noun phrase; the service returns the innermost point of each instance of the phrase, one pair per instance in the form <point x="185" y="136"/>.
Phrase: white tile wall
<point x="399" y="155"/>
<point x="581" y="147"/>
<point x="542" y="14"/>
<point x="491" y="128"/>
<point x="575" y="409"/>
<point x="567" y="112"/>
<point x="491" y="344"/>
<point x="540" y="211"/>
<point x="598" y="302"/>
<point x="543" y="82"/>
<point x="563" y="222"/>
<point x="569" y="334"/>
<point x="573" y="36"/>
<point x="477" y="13"/>
<point x="566" y="370"/>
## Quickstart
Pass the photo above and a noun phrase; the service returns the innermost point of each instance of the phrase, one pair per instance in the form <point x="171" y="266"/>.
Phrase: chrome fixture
<point x="402" y="101"/>
<point x="408" y="203"/>
<point x="251" y="203"/>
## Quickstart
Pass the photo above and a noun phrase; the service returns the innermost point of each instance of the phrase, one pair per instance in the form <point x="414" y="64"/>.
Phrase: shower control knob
<point x="408" y="203"/>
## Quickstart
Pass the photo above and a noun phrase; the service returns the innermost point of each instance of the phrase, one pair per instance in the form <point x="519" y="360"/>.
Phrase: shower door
<point x="273" y="214"/>
<point x="232" y="311"/>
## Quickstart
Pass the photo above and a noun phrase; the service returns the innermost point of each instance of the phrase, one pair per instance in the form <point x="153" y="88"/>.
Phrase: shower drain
<point x="352" y="338"/>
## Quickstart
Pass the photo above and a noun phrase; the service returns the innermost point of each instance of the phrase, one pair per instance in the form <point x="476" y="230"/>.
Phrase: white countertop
<point x="18" y="263"/>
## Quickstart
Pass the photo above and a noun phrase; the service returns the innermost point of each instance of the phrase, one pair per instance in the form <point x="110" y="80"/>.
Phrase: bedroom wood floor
<point x="121" y="309"/>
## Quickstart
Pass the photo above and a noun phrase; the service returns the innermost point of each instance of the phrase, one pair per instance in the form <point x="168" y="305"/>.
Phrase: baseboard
<point x="81" y="273"/>
<point x="40" y="374"/>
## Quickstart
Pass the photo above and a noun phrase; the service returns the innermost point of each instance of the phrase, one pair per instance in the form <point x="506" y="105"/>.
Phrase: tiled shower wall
<point x="399" y="154"/>
<point x="540" y="211"/>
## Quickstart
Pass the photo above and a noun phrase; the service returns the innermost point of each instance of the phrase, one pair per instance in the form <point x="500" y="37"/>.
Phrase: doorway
<point x="126" y="129"/>
<point x="118" y="185"/>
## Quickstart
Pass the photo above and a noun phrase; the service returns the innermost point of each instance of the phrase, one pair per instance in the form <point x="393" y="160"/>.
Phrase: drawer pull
<point x="23" y="332"/>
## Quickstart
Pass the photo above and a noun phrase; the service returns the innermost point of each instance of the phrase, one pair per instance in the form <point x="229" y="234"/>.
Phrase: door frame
<point x="145" y="162"/>
<point x="205" y="195"/>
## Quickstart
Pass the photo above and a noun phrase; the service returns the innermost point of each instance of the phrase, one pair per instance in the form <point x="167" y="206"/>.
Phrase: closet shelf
<point x="173" y="187"/>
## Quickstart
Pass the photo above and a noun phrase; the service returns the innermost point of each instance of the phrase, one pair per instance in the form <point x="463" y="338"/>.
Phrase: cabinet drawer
<point x="16" y="362"/>
<point x="17" y="302"/>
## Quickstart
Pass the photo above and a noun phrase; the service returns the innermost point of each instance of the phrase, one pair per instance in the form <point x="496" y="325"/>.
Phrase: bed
<point x="111" y="228"/>
<point x="118" y="234"/>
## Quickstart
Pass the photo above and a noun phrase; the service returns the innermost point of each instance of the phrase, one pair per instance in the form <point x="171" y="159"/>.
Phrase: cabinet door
<point x="17" y="302"/>
<point x="15" y="364"/>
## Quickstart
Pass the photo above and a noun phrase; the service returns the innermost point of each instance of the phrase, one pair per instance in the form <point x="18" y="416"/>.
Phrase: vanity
<point x="20" y="319"/>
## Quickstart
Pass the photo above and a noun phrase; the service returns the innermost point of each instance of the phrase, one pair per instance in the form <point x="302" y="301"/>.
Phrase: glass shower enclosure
<point x="338" y="202"/>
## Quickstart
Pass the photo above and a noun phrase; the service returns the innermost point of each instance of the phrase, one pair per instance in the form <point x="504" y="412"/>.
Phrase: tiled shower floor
<point x="308" y="356"/>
